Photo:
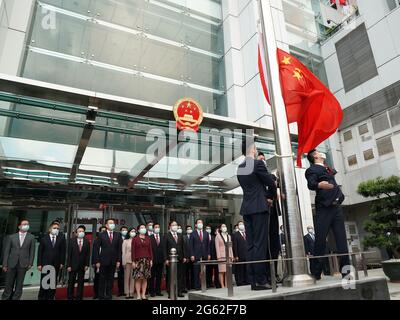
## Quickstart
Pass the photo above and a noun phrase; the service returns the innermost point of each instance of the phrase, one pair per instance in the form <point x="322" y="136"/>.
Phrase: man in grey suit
<point x="18" y="258"/>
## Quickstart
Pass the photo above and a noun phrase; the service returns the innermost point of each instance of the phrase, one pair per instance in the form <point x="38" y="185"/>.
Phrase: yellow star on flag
<point x="297" y="74"/>
<point x="286" y="60"/>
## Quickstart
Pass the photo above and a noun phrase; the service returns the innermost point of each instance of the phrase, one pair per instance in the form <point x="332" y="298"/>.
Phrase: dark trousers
<point x="180" y="278"/>
<point x="121" y="284"/>
<point x="47" y="294"/>
<point x="76" y="277"/>
<point x="106" y="282"/>
<point x="196" y="275"/>
<point x="274" y="241"/>
<point x="96" y="280"/>
<point x="313" y="266"/>
<point x="14" y="283"/>
<point x="156" y="277"/>
<point x="215" y="272"/>
<point x="189" y="275"/>
<point x="257" y="235"/>
<point x="209" y="276"/>
<point x="325" y="219"/>
<point x="241" y="274"/>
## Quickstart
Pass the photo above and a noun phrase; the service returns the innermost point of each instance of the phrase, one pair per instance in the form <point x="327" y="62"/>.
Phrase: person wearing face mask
<point x="157" y="246"/>
<point x="77" y="263"/>
<point x="18" y="258"/>
<point x="150" y="228"/>
<point x="51" y="252"/>
<point x="220" y="242"/>
<point x="199" y="250"/>
<point x="108" y="257"/>
<point x="173" y="239"/>
<point x="96" y="278"/>
<point x="189" y="263"/>
<point x="239" y="248"/>
<point x="142" y="256"/>
<point x="128" y="265"/>
<point x="121" y="283"/>
<point x="309" y="246"/>
<point x="329" y="215"/>
<point x="235" y="228"/>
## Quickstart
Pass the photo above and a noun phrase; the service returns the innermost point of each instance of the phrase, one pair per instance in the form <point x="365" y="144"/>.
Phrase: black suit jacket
<point x="170" y="243"/>
<point x="47" y="255"/>
<point x="107" y="253"/>
<point x="254" y="180"/>
<point x="324" y="198"/>
<point x="239" y="246"/>
<point x="309" y="244"/>
<point x="199" y="249"/>
<point x="78" y="260"/>
<point x="158" y="250"/>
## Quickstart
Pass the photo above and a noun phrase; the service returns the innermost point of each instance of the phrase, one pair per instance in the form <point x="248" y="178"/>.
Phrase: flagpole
<point x="297" y="269"/>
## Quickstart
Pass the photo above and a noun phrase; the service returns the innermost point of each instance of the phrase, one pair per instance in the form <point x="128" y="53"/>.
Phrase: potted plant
<point x="383" y="227"/>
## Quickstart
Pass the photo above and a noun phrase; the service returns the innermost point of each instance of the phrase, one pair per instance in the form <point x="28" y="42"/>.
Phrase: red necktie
<point x="176" y="238"/>
<point x="201" y="236"/>
<point x="111" y="237"/>
<point x="80" y="245"/>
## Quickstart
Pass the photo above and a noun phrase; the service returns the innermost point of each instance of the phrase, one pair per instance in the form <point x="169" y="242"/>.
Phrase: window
<point x="363" y="129"/>
<point x="368" y="154"/>
<point x="356" y="60"/>
<point x="380" y="123"/>
<point x="392" y="4"/>
<point x="394" y="116"/>
<point x="352" y="160"/>
<point x="347" y="135"/>
<point x="384" y="145"/>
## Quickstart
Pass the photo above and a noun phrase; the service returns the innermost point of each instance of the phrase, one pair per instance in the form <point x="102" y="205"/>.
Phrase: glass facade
<point x="157" y="51"/>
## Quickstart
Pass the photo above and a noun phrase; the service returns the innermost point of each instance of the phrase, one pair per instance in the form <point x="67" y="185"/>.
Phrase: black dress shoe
<point x="152" y="295"/>
<point x="259" y="287"/>
<point x="184" y="291"/>
<point x="159" y="294"/>
<point x="181" y="295"/>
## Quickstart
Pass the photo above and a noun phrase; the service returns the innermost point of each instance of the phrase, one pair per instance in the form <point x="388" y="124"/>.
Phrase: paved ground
<point x="30" y="293"/>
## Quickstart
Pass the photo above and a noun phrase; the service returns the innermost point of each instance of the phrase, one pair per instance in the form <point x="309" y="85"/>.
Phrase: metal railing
<point x="229" y="264"/>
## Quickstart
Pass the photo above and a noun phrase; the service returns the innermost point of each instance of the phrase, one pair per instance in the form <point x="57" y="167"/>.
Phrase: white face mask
<point x="124" y="233"/>
<point x="200" y="226"/>
<point x="54" y="232"/>
<point x="157" y="230"/>
<point x="132" y="234"/>
<point x="241" y="227"/>
<point x="179" y="231"/>
<point x="189" y="231"/>
<point x="174" y="228"/>
<point x="208" y="230"/>
<point x="311" y="230"/>
<point x="81" y="235"/>
<point x="111" y="226"/>
<point x="224" y="229"/>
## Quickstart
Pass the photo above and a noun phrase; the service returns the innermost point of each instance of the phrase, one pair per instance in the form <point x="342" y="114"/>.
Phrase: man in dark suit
<point x="309" y="246"/>
<point x="108" y="257"/>
<point x="239" y="248"/>
<point x="51" y="253"/>
<point x="175" y="240"/>
<point x="199" y="250"/>
<point x="157" y="246"/>
<point x="254" y="180"/>
<point x="96" y="278"/>
<point x="189" y="264"/>
<point x="77" y="263"/>
<point x="19" y="253"/>
<point x="329" y="215"/>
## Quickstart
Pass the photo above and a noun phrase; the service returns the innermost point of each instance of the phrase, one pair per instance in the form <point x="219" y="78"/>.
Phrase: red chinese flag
<point x="308" y="102"/>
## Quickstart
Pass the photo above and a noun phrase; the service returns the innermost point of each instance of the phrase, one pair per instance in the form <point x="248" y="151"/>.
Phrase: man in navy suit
<point x="329" y="213"/>
<point x="254" y="180"/>
<point x="239" y="248"/>
<point x="309" y="246"/>
<point x="199" y="250"/>
<point x="108" y="256"/>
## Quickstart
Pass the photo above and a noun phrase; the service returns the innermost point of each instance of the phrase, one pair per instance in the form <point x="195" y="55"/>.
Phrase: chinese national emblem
<point x="188" y="114"/>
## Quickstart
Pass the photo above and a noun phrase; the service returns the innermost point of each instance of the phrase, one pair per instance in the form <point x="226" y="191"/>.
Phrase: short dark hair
<point x="246" y="145"/>
<point x="109" y="219"/>
<point x="310" y="156"/>
<point x="171" y="222"/>
<point x="199" y="219"/>
<point x="123" y="227"/>
<point x="189" y="227"/>
<point x="260" y="153"/>
<point x="142" y="224"/>
<point x="240" y="221"/>
<point x="156" y="224"/>
<point x="102" y="227"/>
<point x="81" y="227"/>
<point x="208" y="226"/>
<point x="22" y="220"/>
